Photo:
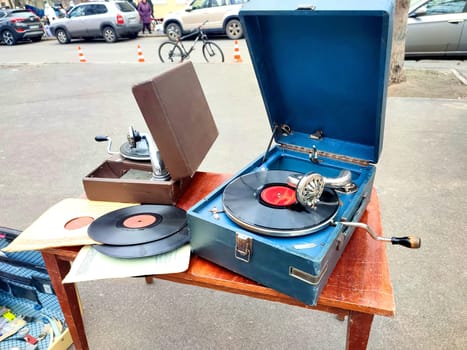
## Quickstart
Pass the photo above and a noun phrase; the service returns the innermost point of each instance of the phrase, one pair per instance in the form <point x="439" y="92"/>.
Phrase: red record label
<point x="280" y="196"/>
<point x="78" y="222"/>
<point x="139" y="221"/>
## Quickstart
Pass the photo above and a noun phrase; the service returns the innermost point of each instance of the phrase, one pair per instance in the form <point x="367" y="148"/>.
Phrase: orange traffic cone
<point x="82" y="59"/>
<point x="237" y="57"/>
<point x="140" y="54"/>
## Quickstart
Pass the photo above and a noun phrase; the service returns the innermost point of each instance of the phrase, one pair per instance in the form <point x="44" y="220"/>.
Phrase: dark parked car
<point x="19" y="25"/>
<point x="437" y="28"/>
<point x="109" y="20"/>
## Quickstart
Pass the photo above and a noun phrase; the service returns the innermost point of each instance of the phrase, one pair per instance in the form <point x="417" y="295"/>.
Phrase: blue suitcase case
<point x="322" y="71"/>
<point x="26" y="292"/>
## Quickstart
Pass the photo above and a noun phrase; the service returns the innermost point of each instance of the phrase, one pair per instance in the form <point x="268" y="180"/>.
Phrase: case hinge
<point x="315" y="154"/>
<point x="243" y="247"/>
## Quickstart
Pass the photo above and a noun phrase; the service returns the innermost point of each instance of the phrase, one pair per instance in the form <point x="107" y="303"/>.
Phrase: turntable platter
<point x="262" y="202"/>
<point x="140" y="153"/>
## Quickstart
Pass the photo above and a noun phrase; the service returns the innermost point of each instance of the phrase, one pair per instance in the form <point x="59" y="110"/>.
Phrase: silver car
<point x="221" y="16"/>
<point x="437" y="28"/>
<point x="109" y="20"/>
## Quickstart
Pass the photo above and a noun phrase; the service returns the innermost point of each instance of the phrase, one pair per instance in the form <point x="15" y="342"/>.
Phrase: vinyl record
<point x="137" y="224"/>
<point x="161" y="246"/>
<point x="262" y="202"/>
<point x="139" y="153"/>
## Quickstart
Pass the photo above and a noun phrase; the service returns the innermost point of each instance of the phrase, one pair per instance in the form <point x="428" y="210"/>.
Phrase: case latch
<point x="243" y="246"/>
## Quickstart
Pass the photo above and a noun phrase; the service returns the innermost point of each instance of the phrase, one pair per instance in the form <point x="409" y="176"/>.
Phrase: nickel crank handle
<point x="408" y="241"/>
<point x="109" y="144"/>
<point x="100" y="138"/>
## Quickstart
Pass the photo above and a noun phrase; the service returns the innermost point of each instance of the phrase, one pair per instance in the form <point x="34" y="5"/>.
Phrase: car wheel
<point x="174" y="31"/>
<point x="8" y="38"/>
<point x="109" y="34"/>
<point x="234" y="29"/>
<point x="62" y="36"/>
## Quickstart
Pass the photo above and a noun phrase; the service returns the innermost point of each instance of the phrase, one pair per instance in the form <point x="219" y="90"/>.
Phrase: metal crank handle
<point x="408" y="241"/>
<point x="109" y="143"/>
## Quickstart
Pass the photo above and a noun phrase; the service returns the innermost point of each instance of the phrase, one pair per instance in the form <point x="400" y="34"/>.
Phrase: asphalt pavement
<point x="47" y="147"/>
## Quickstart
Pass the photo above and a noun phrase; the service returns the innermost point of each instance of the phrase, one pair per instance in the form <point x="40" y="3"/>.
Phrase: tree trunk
<point x="397" y="74"/>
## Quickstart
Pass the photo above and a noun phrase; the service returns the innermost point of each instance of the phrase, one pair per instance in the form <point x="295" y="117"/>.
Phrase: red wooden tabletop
<point x="359" y="286"/>
<point x="360" y="281"/>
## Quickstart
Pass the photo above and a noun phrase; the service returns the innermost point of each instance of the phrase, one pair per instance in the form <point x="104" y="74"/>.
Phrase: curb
<point x="459" y="76"/>
<point x="154" y="35"/>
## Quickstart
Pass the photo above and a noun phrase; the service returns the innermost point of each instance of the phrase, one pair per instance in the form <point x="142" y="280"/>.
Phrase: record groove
<point x="246" y="204"/>
<point x="113" y="228"/>
<point x="160" y="246"/>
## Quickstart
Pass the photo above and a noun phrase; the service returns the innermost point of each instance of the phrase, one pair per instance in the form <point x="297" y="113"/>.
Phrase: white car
<point x="221" y="15"/>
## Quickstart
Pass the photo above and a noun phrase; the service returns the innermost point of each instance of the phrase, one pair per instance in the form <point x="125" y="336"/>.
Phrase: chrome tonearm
<point x="159" y="172"/>
<point x="310" y="187"/>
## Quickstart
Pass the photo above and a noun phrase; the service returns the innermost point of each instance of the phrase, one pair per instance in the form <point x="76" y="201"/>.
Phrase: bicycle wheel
<point x="212" y="52"/>
<point x="170" y="52"/>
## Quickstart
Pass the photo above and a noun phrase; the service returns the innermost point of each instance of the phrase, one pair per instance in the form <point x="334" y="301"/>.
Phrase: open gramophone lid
<point x="178" y="117"/>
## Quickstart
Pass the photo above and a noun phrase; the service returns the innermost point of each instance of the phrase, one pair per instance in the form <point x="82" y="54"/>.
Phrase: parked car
<point x="437" y="28"/>
<point x="221" y="15"/>
<point x="109" y="20"/>
<point x="19" y="25"/>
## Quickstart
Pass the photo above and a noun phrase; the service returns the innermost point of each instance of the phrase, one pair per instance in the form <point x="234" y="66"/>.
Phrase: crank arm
<point x="109" y="143"/>
<point x="408" y="241"/>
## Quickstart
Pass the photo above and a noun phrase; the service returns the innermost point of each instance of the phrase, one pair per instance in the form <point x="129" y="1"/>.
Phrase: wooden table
<point x="358" y="288"/>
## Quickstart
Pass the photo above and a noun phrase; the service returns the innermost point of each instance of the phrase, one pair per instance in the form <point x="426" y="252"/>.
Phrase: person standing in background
<point x="145" y="13"/>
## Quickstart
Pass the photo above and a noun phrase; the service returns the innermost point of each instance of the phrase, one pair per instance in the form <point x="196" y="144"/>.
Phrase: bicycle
<point x="170" y="51"/>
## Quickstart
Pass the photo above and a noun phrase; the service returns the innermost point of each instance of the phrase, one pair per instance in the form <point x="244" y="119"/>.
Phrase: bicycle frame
<point x="199" y="35"/>
<point x="176" y="50"/>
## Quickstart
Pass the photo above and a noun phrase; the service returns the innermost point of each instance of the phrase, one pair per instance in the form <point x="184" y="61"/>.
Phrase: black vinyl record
<point x="161" y="246"/>
<point x="137" y="224"/>
<point x="262" y="202"/>
<point x="139" y="153"/>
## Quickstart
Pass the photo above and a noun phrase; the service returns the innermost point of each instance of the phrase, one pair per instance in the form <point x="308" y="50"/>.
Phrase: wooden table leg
<point x="358" y="330"/>
<point x="68" y="298"/>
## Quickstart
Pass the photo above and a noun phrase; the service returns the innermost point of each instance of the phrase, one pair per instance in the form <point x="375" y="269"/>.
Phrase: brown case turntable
<point x="178" y="117"/>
